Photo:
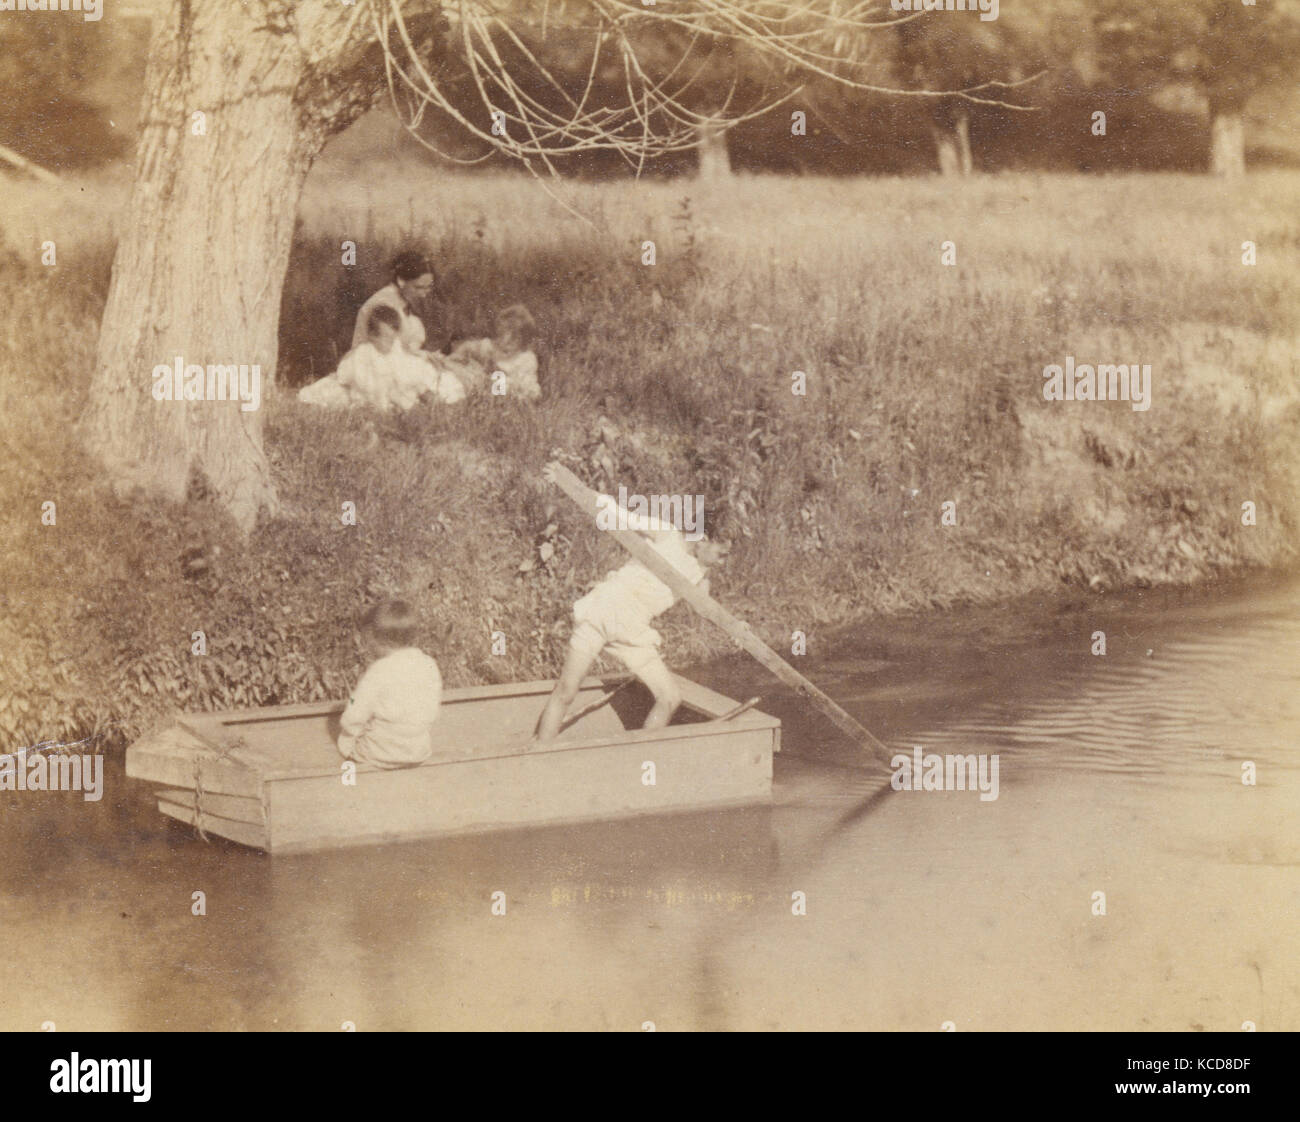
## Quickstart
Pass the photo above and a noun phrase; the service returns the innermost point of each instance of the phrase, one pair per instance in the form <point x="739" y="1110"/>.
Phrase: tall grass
<point x="923" y="387"/>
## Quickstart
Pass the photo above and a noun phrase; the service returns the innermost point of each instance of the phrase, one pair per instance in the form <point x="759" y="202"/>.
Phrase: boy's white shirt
<point x="633" y="593"/>
<point x="393" y="709"/>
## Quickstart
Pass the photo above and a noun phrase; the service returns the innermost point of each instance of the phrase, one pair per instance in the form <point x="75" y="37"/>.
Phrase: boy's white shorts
<point x="638" y="651"/>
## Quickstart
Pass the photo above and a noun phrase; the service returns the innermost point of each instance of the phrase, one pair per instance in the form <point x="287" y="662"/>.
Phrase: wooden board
<point x="173" y="756"/>
<point x="723" y="769"/>
<point x="246" y="833"/>
<point x="223" y="806"/>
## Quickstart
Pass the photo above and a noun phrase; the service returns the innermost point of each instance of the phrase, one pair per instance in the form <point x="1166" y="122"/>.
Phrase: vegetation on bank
<point x="924" y="386"/>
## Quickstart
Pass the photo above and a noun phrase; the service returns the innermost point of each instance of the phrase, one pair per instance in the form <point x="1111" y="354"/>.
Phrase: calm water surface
<point x="1118" y="775"/>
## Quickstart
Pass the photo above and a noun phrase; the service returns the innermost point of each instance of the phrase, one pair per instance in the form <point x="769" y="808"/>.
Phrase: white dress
<point x="392" y="381"/>
<point x="485" y="360"/>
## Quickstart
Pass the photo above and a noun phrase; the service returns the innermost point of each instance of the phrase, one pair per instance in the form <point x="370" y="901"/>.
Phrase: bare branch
<point x="534" y="114"/>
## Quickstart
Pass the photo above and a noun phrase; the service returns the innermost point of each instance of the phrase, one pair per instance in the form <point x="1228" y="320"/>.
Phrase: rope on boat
<point x="222" y="754"/>
<point x="198" y="795"/>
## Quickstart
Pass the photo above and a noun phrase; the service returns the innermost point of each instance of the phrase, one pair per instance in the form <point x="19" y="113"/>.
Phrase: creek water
<point x="1118" y="774"/>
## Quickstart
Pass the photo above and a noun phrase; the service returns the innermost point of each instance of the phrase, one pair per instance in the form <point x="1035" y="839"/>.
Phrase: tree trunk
<point x="711" y="146"/>
<point x="201" y="262"/>
<point x="952" y="139"/>
<point x="1227" y="143"/>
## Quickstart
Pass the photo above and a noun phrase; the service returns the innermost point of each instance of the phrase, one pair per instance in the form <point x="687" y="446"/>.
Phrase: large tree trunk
<point x="952" y="140"/>
<point x="1227" y="142"/>
<point x="202" y="258"/>
<point x="711" y="147"/>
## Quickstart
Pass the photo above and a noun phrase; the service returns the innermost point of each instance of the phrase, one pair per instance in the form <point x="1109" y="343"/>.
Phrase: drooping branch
<point x="345" y="65"/>
<point x="532" y="113"/>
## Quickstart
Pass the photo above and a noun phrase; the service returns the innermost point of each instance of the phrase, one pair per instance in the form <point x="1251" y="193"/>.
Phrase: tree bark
<point x="952" y="140"/>
<point x="711" y="147"/>
<point x="201" y="262"/>
<point x="1227" y="143"/>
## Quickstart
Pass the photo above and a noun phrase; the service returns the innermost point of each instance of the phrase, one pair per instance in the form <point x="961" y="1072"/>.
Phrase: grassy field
<point x="924" y="386"/>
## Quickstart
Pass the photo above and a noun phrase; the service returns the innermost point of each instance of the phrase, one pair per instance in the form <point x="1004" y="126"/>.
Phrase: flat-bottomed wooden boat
<point x="273" y="778"/>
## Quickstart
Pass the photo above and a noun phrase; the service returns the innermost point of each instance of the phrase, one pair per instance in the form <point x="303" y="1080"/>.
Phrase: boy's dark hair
<point x="392" y="622"/>
<point x="382" y="313"/>
<point x="411" y="265"/>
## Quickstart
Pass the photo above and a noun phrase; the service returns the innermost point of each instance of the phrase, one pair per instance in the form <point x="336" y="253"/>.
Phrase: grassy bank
<point x="924" y="386"/>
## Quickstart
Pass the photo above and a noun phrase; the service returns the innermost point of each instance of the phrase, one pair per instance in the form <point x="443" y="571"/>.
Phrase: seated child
<point x="389" y="720"/>
<point x="615" y="616"/>
<point x="382" y="372"/>
<point x="510" y="352"/>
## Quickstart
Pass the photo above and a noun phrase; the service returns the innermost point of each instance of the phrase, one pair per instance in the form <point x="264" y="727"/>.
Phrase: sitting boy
<point x="381" y="372"/>
<point x="389" y="720"/>
<point x="509" y="351"/>
<point x="615" y="616"/>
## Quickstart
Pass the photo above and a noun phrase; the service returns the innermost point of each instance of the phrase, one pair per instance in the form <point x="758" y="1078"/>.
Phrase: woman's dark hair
<point x="383" y="313"/>
<point x="392" y="622"/>
<point x="411" y="266"/>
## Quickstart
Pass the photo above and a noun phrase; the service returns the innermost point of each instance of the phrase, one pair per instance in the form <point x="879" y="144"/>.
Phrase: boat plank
<point x="238" y="807"/>
<point x="724" y="767"/>
<point x="170" y="757"/>
<point x="246" y="833"/>
<point x="386" y="837"/>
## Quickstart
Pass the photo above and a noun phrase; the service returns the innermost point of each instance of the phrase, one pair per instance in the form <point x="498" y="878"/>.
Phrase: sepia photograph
<point x="650" y="516"/>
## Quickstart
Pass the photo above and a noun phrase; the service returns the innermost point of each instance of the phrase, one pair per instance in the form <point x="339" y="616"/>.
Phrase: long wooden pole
<point x="715" y="613"/>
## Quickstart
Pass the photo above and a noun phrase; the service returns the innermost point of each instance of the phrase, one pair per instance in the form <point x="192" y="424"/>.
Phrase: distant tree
<point x="1228" y="50"/>
<point x="46" y="67"/>
<point x="727" y="82"/>
<point x="1014" y="58"/>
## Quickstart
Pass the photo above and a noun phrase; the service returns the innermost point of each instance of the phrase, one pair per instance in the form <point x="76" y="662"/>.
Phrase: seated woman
<point x="381" y="373"/>
<point x="412" y="283"/>
<point x="509" y="351"/>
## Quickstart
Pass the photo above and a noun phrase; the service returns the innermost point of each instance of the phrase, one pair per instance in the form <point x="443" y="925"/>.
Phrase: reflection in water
<point x="1120" y="775"/>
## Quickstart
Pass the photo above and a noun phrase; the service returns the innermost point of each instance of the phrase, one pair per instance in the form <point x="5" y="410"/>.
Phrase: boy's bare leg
<point x="566" y="689"/>
<point x="659" y="681"/>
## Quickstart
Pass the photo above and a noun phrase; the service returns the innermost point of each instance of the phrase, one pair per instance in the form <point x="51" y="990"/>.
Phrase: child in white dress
<point x="509" y="351"/>
<point x="382" y="373"/>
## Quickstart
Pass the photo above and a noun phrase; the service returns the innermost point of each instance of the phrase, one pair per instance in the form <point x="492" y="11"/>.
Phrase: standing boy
<point x="615" y="616"/>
